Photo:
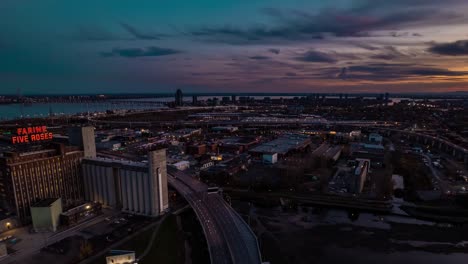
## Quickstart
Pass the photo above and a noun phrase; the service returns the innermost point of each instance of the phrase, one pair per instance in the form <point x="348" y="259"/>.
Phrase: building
<point x="80" y="213"/>
<point x="375" y="153"/>
<point x="205" y="163"/>
<point x="361" y="173"/>
<point x="179" y="98"/>
<point x="283" y="145"/>
<point x="375" y="138"/>
<point x="26" y="177"/>
<point x="327" y="154"/>
<point x="45" y="214"/>
<point x="194" y="100"/>
<point x="121" y="257"/>
<point x="134" y="187"/>
<point x="355" y="134"/>
<point x="196" y="149"/>
<point x="84" y="138"/>
<point x="225" y="99"/>
<point x="270" y="158"/>
<point x="225" y="129"/>
<point x="181" y="165"/>
<point x="109" y="145"/>
<point x="183" y="133"/>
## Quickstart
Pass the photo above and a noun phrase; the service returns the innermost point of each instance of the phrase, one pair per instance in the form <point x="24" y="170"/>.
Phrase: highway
<point x="229" y="238"/>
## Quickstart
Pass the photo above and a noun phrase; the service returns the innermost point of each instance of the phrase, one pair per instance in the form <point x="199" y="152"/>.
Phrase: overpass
<point x="230" y="240"/>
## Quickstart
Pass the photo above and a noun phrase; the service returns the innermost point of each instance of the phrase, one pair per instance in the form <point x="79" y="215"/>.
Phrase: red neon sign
<point x="31" y="134"/>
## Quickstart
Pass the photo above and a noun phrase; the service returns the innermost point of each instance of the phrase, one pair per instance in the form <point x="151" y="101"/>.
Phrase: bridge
<point x="230" y="240"/>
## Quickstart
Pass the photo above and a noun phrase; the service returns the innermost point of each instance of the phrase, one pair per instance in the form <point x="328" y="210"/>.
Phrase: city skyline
<point x="347" y="46"/>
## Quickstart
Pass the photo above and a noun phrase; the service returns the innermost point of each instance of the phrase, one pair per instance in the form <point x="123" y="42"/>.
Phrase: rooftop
<point x="283" y="144"/>
<point x="45" y="202"/>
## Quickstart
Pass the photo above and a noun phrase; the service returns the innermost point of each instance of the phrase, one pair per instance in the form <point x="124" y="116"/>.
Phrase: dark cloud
<point x="459" y="47"/>
<point x="138" y="34"/>
<point x="393" y="72"/>
<point x="316" y="56"/>
<point x="366" y="46"/>
<point x="389" y="53"/>
<point x="357" y="21"/>
<point x="138" y="52"/>
<point x="275" y="51"/>
<point x="377" y="5"/>
<point x="259" y="58"/>
<point x="343" y="73"/>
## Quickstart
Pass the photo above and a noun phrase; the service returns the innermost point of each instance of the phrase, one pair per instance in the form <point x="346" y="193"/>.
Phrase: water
<point x="13" y="111"/>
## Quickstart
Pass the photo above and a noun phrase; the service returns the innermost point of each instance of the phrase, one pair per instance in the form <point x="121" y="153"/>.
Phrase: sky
<point x="156" y="46"/>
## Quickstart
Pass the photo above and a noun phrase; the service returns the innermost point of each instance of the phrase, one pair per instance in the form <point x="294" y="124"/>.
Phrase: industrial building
<point x="29" y="174"/>
<point x="84" y="138"/>
<point x="375" y="153"/>
<point x="45" y="214"/>
<point x="80" y="213"/>
<point x="134" y="187"/>
<point x="27" y="177"/>
<point x="121" y="257"/>
<point x="283" y="145"/>
<point x="181" y="165"/>
<point x="360" y="173"/>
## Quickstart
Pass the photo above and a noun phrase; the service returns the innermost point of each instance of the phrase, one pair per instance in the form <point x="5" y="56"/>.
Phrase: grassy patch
<point x="168" y="247"/>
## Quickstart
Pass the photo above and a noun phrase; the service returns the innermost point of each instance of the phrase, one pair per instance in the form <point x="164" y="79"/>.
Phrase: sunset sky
<point x="121" y="46"/>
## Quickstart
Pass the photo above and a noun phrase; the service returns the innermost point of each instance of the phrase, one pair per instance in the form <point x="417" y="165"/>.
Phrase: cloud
<point x="139" y="52"/>
<point x="459" y="47"/>
<point x="358" y="20"/>
<point x="274" y="51"/>
<point x="259" y="58"/>
<point x="365" y="46"/>
<point x="316" y="56"/>
<point x="138" y="34"/>
<point x="343" y="73"/>
<point x="389" y="53"/>
<point x="394" y="72"/>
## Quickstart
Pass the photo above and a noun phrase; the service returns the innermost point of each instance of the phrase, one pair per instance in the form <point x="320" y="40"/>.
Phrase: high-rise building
<point x="133" y="187"/>
<point x="179" y="98"/>
<point x="225" y="99"/>
<point x="26" y="177"/>
<point x="194" y="100"/>
<point x="233" y="98"/>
